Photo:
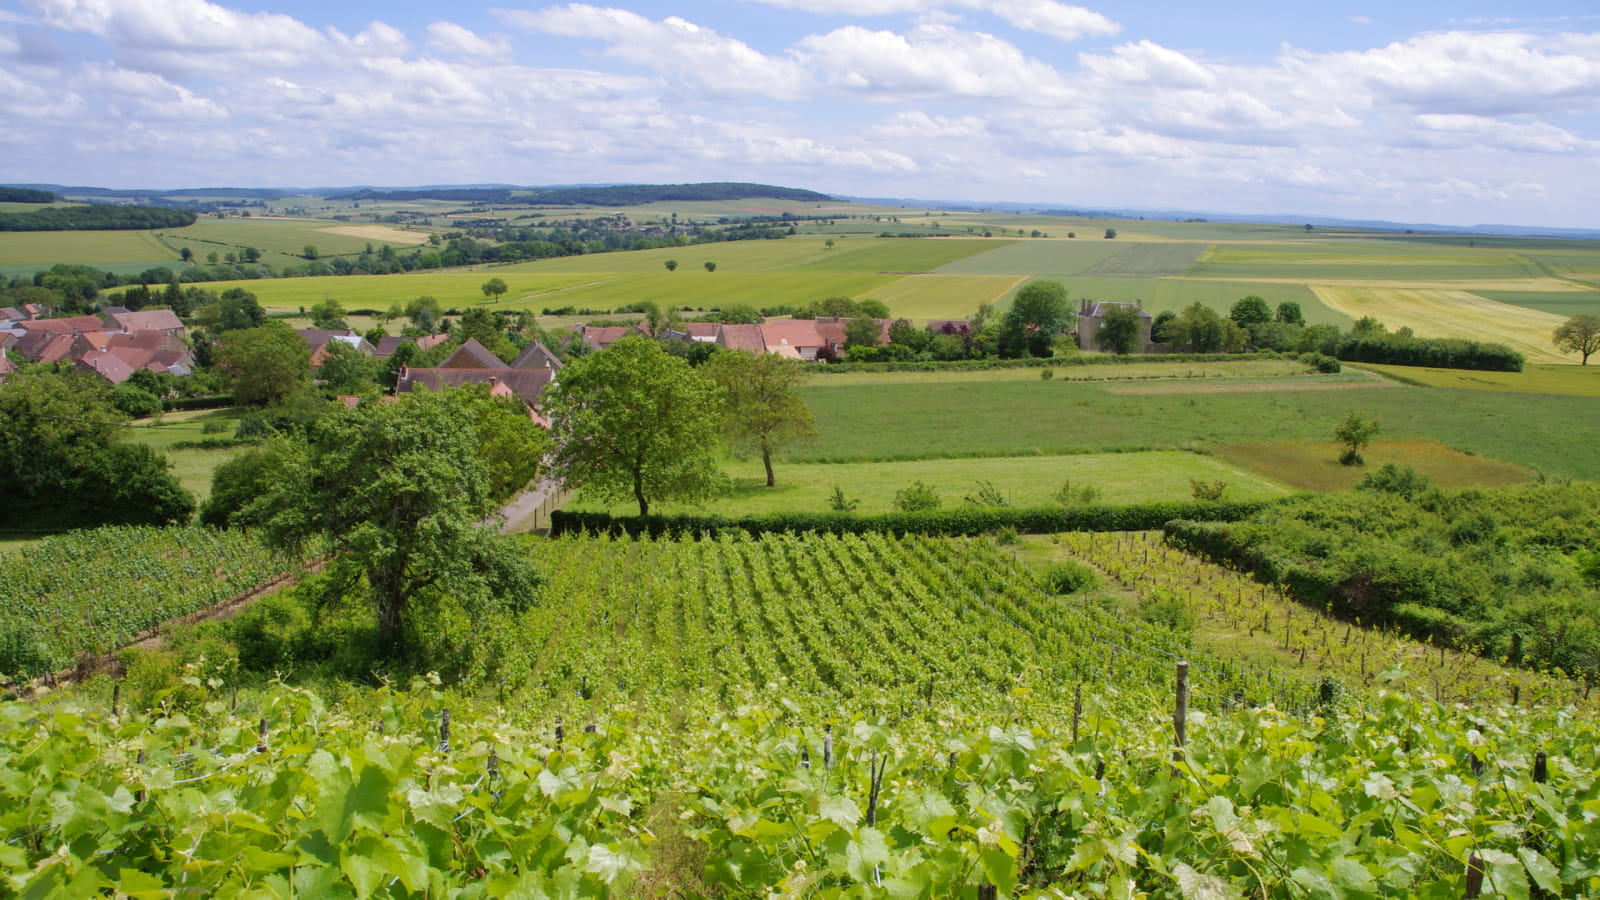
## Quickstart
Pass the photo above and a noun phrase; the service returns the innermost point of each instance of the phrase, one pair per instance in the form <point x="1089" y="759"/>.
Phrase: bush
<point x="839" y="503"/>
<point x="1208" y="491"/>
<point x="1070" y="496"/>
<point x="135" y="402"/>
<point x="916" y="497"/>
<point x="271" y="633"/>
<point x="1070" y="577"/>
<point x="1392" y="479"/>
<point x="1167" y="611"/>
<point x="987" y="495"/>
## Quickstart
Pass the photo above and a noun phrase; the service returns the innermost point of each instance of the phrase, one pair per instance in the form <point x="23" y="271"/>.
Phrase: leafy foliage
<point x="763" y="409"/>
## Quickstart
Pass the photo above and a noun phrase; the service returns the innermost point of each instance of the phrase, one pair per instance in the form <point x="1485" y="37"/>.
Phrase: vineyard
<point x="824" y="715"/>
<point x="93" y="591"/>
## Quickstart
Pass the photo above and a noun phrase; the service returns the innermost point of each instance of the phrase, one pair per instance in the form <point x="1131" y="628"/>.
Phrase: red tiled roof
<point x="472" y="355"/>
<point x="741" y="337"/>
<point x="68" y="325"/>
<point x="108" y="365"/>
<point x="148" y="320"/>
<point x="791" y="333"/>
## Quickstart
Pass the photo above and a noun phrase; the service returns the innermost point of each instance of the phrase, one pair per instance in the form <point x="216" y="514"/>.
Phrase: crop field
<point x="743" y="256"/>
<point x="1054" y="257"/>
<point x="33" y="250"/>
<point x="698" y="289"/>
<point x="900" y="256"/>
<point x="453" y="288"/>
<point x="1435" y="313"/>
<point x="1365" y="260"/>
<point x="924" y="297"/>
<point x="1147" y="260"/>
<point x="1569" y="380"/>
<point x="1028" y="481"/>
<point x="1559" y="303"/>
<point x="1314" y="465"/>
<point x="1553" y="434"/>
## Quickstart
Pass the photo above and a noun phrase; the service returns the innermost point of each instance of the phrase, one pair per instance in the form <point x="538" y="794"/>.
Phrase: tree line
<point x="96" y="218"/>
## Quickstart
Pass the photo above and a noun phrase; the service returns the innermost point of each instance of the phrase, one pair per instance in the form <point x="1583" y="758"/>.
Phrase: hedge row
<point x="1053" y="362"/>
<point x="960" y="521"/>
<point x="191" y="403"/>
<point x="1439" y="353"/>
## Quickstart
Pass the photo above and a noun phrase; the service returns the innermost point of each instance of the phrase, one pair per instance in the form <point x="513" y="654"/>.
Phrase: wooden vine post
<point x="1180" y="715"/>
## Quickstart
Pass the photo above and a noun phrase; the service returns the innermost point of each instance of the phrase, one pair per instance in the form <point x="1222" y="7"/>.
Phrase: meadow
<point x="192" y="466"/>
<point x="1569" y="380"/>
<point x="1028" y="481"/>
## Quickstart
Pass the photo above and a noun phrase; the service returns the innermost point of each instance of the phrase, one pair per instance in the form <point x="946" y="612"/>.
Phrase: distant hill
<point x="607" y="195"/>
<point x="26" y="195"/>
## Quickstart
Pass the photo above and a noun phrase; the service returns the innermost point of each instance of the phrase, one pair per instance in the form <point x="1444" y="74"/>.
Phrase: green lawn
<point x="1025" y="481"/>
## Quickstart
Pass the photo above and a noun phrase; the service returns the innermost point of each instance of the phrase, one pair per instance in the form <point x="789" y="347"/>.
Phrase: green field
<point x="452" y="288"/>
<point x="193" y="467"/>
<point x="23" y="252"/>
<point x="1568" y="380"/>
<point x="1147" y="260"/>
<point x="1051" y="258"/>
<point x="1025" y="481"/>
<point x="1358" y="260"/>
<point x="1562" y="303"/>
<point x="924" y="297"/>
<point x="1552" y="434"/>
<point x="900" y="256"/>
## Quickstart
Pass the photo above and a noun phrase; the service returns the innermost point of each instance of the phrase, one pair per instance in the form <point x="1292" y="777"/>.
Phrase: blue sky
<point x="1459" y="113"/>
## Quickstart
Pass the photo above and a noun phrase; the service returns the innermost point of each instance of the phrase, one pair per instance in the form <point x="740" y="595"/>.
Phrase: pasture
<point x="1563" y="303"/>
<point x="1555" y="435"/>
<point x="1361" y="260"/>
<point x="1314" y="465"/>
<point x="452" y="288"/>
<point x="1029" y="481"/>
<point x="193" y="467"/>
<point x="1436" y="313"/>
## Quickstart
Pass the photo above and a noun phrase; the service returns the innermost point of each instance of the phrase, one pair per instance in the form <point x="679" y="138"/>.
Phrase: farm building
<point x="1091" y="313"/>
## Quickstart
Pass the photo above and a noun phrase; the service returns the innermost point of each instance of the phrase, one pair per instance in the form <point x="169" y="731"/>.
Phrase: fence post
<point x="1180" y="715"/>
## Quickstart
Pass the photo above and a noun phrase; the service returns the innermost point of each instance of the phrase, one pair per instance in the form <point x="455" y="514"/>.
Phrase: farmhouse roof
<point x="536" y="356"/>
<point x="472" y="355"/>
<point x="55" y="348"/>
<point x="108" y="365"/>
<point x="66" y="325"/>
<point x="388" y="345"/>
<point x="741" y="337"/>
<point x="603" y="336"/>
<point x="525" y="384"/>
<point x="12" y="314"/>
<point x="791" y="333"/>
<point x="842" y="321"/>
<point x="148" y="320"/>
<point x="700" y="331"/>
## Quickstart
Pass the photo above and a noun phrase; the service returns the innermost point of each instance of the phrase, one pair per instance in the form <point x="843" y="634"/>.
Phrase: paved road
<point x="519" y="511"/>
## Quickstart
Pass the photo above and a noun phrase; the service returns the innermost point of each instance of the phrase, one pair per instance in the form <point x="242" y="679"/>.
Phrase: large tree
<point x="67" y="466"/>
<point x="266" y="364"/>
<point x="764" y="409"/>
<point x="403" y="495"/>
<point x="1199" y="327"/>
<point x="1579" y="334"/>
<point x="636" y="422"/>
<point x="1038" y="313"/>
<point x="1119" y="330"/>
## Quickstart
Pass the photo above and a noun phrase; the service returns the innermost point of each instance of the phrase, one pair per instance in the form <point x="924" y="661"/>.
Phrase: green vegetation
<point x="96" y="218"/>
<point x="1575" y="381"/>
<point x="94" y="591"/>
<point x="1507" y="572"/>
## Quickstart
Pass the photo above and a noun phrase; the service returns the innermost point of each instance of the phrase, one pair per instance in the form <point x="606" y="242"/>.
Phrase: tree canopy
<point x="764" y="411"/>
<point x="636" y="422"/>
<point x="404" y="494"/>
<point x="267" y="364"/>
<point x="1038" y="313"/>
<point x="1579" y="334"/>
<point x="1199" y="327"/>
<point x="1119" y="330"/>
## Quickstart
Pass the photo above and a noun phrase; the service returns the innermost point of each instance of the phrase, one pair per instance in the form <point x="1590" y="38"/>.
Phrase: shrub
<point x="271" y="633"/>
<point x="1169" y="612"/>
<point x="916" y="497"/>
<point x="838" y="503"/>
<point x="1070" y="577"/>
<point x="1209" y="491"/>
<point x="1070" y="496"/>
<point x="987" y="495"/>
<point x="1392" y="479"/>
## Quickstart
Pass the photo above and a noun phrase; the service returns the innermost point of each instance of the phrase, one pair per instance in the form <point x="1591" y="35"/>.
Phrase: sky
<point x="1459" y="113"/>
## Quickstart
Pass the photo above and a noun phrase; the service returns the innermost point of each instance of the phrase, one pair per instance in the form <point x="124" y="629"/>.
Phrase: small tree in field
<point x="671" y="264"/>
<point x="764" y="410"/>
<point x="493" y="288"/>
<point x="711" y="266"/>
<point x="1579" y="334"/>
<point x="1355" y="433"/>
<point x="916" y="497"/>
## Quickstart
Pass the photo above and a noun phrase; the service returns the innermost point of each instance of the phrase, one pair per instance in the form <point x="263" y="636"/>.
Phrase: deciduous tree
<point x="401" y="494"/>
<point x="494" y="287"/>
<point x="266" y="364"/>
<point x="636" y="422"/>
<point x="1119" y="330"/>
<point x="763" y="409"/>
<point x="1579" y="334"/>
<point x="1038" y="313"/>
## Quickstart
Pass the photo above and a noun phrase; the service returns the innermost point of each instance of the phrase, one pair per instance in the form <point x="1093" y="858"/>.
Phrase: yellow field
<point x="379" y="233"/>
<point x="1533" y="285"/>
<point x="1449" y="313"/>
<point x="1575" y="381"/>
<point x="923" y="297"/>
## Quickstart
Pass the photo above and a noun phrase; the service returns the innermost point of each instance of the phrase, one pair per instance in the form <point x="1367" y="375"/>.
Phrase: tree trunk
<point x="766" y="460"/>
<point x="638" y="492"/>
<point x="389" y="596"/>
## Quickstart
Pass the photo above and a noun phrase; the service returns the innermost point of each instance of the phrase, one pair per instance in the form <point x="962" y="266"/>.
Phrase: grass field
<point x="1435" y="313"/>
<point x="1568" y="380"/>
<point x="1225" y="372"/>
<point x="1314" y="465"/>
<point x="1054" y="257"/>
<point x="1358" y="260"/>
<point x="192" y="467"/>
<point x="42" y="249"/>
<point x="899" y="256"/>
<point x="1553" y="434"/>
<point x="923" y="297"/>
<point x="1025" y="481"/>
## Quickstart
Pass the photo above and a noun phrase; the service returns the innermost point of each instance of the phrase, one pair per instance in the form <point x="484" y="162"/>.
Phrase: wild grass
<point x="1024" y="481"/>
<point x="193" y="467"/>
<point x="1564" y="379"/>
<point x="1314" y="465"/>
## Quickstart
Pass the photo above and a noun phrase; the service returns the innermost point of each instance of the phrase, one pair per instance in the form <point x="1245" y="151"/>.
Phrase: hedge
<point x="959" y="521"/>
<point x="1052" y="362"/>
<point x="190" y="403"/>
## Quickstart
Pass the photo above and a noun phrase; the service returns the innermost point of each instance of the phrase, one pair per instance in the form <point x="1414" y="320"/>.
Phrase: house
<point x="163" y="320"/>
<point x="65" y="325"/>
<point x="317" y="340"/>
<point x="10" y="315"/>
<point x="842" y="322"/>
<point x="701" y="332"/>
<point x="472" y="363"/>
<point x="741" y="337"/>
<point x="601" y="337"/>
<point x="796" y="338"/>
<point x="1092" y="313"/>
<point x="388" y="345"/>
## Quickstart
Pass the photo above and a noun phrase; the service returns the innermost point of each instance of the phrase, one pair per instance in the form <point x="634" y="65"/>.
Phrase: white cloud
<point x="1059" y="20"/>
<point x="1361" y="20"/>
<point x="919" y="126"/>
<point x="145" y="96"/>
<point x="187" y="25"/>
<point x="933" y="60"/>
<point x="1145" y="62"/>
<point x="691" y="55"/>
<point x="1481" y="131"/>
<point x="448" y="37"/>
